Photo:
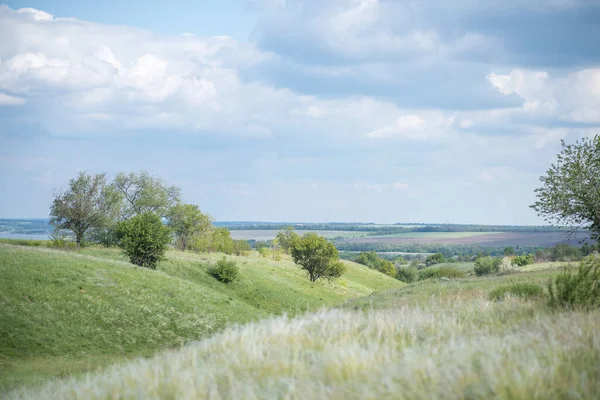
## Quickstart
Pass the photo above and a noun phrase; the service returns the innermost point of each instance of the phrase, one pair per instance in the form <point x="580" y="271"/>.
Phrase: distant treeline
<point x="447" y="250"/>
<point x="375" y="229"/>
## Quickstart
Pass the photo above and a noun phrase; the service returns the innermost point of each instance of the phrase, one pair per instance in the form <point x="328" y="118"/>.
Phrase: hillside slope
<point x="61" y="312"/>
<point x="430" y="340"/>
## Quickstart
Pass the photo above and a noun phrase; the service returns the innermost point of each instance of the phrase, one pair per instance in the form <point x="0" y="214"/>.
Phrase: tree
<point x="487" y="265"/>
<point x="317" y="256"/>
<point x="144" y="193"/>
<point x="88" y="203"/>
<point x="144" y="239"/>
<point x="570" y="194"/>
<point x="436" y="258"/>
<point x="387" y="267"/>
<point x="187" y="221"/>
<point x="509" y="251"/>
<point x="368" y="258"/>
<point x="286" y="238"/>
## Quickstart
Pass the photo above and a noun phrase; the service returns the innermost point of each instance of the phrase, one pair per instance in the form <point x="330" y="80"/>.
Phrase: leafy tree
<point x="570" y="194"/>
<point x="436" y="258"/>
<point x="368" y="258"/>
<point x="187" y="221"/>
<point x="387" y="267"/>
<point x="407" y="274"/>
<point x="317" y="256"/>
<point x="88" y="203"/>
<point x="144" y="239"/>
<point x="144" y="193"/>
<point x="264" y="252"/>
<point x="509" y="251"/>
<point x="221" y="241"/>
<point x="487" y="265"/>
<point x="286" y="238"/>
<point x="241" y="247"/>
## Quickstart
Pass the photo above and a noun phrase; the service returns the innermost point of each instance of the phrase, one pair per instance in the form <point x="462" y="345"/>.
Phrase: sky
<point x="300" y="110"/>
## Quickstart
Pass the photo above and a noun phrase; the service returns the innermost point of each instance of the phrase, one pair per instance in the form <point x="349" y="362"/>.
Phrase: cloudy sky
<point x="300" y="110"/>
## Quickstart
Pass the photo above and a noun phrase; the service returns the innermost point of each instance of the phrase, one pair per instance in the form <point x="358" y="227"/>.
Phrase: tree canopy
<point x="88" y="203"/>
<point x="144" y="193"/>
<point x="317" y="256"/>
<point x="570" y="191"/>
<point x="187" y="221"/>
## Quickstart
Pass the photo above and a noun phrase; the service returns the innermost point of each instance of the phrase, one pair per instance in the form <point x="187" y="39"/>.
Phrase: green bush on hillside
<point x="144" y="239"/>
<point x="443" y="272"/>
<point x="225" y="270"/>
<point x="407" y="274"/>
<point x="387" y="267"/>
<point x="487" y="265"/>
<point x="577" y="290"/>
<point x="521" y="290"/>
<point x="437" y="258"/>
<point x="522" y="261"/>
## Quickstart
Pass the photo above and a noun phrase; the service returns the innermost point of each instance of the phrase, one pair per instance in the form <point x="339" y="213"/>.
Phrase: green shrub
<point x="433" y="259"/>
<point x="335" y="269"/>
<point x="387" y="267"/>
<point x="522" y="261"/>
<point x="264" y="252"/>
<point x="577" y="290"/>
<point x="443" y="272"/>
<point x="407" y="274"/>
<point x="225" y="270"/>
<point x="144" y="239"/>
<point x="521" y="290"/>
<point x="487" y="265"/>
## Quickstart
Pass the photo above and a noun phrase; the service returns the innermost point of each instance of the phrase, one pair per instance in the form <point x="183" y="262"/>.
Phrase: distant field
<point x="269" y="234"/>
<point x="434" y="235"/>
<point x="491" y="239"/>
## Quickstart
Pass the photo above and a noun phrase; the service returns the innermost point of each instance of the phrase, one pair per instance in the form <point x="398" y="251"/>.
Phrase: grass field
<point x="428" y="340"/>
<point x="62" y="313"/>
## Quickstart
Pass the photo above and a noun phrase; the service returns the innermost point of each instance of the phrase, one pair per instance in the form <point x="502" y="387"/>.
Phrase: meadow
<point x="64" y="312"/>
<point x="433" y="339"/>
<point x="87" y="324"/>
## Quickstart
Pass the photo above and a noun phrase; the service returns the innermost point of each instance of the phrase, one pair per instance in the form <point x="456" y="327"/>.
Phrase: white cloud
<point x="36" y="14"/>
<point x="574" y="97"/>
<point x="412" y="126"/>
<point x="8" y="100"/>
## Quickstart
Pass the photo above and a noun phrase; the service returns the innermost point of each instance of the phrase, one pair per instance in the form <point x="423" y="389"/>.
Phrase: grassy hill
<point x="66" y="312"/>
<point x="428" y="340"/>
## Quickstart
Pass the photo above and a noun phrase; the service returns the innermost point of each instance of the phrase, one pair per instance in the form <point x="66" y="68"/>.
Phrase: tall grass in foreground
<point x="472" y="349"/>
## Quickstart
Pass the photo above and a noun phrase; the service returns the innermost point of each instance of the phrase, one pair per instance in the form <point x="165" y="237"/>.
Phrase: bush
<point x="521" y="290"/>
<point x="443" y="272"/>
<point x="487" y="265"/>
<point x="437" y="258"/>
<point x="335" y="269"/>
<point x="225" y="270"/>
<point x="407" y="274"/>
<point x="144" y="239"/>
<point x="522" y="261"/>
<point x="577" y="290"/>
<point x="264" y="252"/>
<point x="506" y="265"/>
<point x="387" y="267"/>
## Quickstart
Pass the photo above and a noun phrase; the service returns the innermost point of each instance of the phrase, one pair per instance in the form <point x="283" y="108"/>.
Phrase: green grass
<point x="62" y="313"/>
<point x="428" y="340"/>
<point x="463" y="266"/>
